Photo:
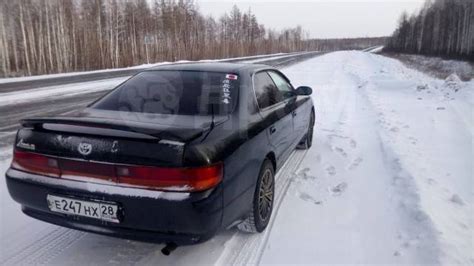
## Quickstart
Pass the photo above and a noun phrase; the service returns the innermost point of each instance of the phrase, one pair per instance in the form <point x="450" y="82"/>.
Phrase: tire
<point x="262" y="205"/>
<point x="307" y="141"/>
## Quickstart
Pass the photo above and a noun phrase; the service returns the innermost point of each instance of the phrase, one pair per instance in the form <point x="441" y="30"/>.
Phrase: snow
<point x="375" y="49"/>
<point x="70" y="74"/>
<point x="389" y="180"/>
<point x="16" y="97"/>
<point x="439" y="67"/>
<point x="383" y="183"/>
<point x="258" y="60"/>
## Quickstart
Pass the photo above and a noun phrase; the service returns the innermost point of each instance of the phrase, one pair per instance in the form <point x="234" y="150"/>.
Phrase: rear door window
<point x="266" y="91"/>
<point x="174" y="92"/>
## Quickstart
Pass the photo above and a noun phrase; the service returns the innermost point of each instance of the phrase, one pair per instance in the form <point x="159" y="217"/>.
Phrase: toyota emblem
<point x="84" y="148"/>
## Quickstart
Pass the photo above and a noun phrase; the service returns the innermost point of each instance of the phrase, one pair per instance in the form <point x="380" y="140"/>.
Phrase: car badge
<point x="84" y="148"/>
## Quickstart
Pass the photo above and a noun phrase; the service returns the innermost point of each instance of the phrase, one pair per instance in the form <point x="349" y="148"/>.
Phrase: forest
<point x="441" y="28"/>
<point x="55" y="36"/>
<point x="344" y="43"/>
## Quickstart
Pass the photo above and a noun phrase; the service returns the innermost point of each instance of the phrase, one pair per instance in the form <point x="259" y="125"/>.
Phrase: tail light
<point x="73" y="169"/>
<point x="159" y="178"/>
<point x="36" y="163"/>
<point x="173" y="179"/>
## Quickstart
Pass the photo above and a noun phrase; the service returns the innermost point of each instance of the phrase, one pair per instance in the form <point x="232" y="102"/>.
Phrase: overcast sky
<point x="323" y="18"/>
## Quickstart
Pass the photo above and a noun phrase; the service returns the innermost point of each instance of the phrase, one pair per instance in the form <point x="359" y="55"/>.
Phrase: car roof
<point x="212" y="67"/>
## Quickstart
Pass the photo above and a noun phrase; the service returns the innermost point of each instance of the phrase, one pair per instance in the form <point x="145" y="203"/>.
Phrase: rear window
<point x="174" y="92"/>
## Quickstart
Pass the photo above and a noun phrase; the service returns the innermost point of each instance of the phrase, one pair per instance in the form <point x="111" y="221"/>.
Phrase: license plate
<point x="92" y="209"/>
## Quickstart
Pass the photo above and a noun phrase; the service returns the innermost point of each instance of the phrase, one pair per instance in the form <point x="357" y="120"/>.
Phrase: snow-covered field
<point x="389" y="180"/>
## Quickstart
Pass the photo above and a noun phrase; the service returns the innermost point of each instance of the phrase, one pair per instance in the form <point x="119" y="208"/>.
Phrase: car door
<point x="276" y="114"/>
<point x="294" y="103"/>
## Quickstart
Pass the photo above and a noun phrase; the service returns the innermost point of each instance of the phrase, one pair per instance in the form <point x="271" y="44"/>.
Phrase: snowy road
<point x="389" y="180"/>
<point x="60" y="99"/>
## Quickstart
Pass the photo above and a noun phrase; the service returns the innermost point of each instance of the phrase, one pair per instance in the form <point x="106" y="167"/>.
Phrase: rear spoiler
<point x="113" y="127"/>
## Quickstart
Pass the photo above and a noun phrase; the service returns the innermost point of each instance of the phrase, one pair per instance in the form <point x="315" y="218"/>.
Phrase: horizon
<point x="322" y="19"/>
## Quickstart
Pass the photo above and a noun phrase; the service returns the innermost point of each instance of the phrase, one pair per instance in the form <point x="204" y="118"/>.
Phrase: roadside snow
<point x="376" y="49"/>
<point x="389" y="180"/>
<point x="70" y="74"/>
<point x="10" y="98"/>
<point x="438" y="67"/>
<point x="253" y="61"/>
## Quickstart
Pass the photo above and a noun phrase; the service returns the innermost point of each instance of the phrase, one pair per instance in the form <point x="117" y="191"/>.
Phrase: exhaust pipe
<point x="170" y="247"/>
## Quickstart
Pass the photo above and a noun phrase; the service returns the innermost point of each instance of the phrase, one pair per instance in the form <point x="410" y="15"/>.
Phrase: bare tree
<point x="442" y="28"/>
<point x="40" y="37"/>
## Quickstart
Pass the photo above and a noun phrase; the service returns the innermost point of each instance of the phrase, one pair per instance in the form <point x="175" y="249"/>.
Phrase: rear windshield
<point x="174" y="92"/>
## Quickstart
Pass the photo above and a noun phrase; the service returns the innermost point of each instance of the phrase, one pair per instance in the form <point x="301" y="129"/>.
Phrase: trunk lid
<point x="115" y="137"/>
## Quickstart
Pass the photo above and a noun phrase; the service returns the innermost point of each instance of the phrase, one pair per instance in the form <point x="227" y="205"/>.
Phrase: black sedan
<point x="174" y="154"/>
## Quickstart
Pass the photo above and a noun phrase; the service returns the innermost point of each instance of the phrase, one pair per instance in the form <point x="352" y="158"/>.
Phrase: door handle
<point x="272" y="130"/>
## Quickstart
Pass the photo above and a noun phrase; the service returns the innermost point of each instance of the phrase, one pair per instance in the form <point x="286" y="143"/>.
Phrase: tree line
<point x="56" y="36"/>
<point x="441" y="28"/>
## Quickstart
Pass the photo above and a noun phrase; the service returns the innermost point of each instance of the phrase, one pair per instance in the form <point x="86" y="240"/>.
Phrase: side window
<point x="266" y="91"/>
<point x="283" y="86"/>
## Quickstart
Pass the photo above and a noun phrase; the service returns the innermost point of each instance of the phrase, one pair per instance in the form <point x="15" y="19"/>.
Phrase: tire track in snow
<point x="418" y="226"/>
<point x="247" y="249"/>
<point x="49" y="244"/>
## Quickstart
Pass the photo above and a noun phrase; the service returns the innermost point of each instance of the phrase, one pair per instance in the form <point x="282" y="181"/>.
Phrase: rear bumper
<point x="183" y="218"/>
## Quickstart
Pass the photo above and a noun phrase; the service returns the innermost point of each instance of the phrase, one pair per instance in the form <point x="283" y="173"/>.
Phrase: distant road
<point x="101" y="75"/>
<point x="11" y="113"/>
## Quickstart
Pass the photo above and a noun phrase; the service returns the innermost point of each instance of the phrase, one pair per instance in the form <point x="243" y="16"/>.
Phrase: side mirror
<point x="304" y="90"/>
